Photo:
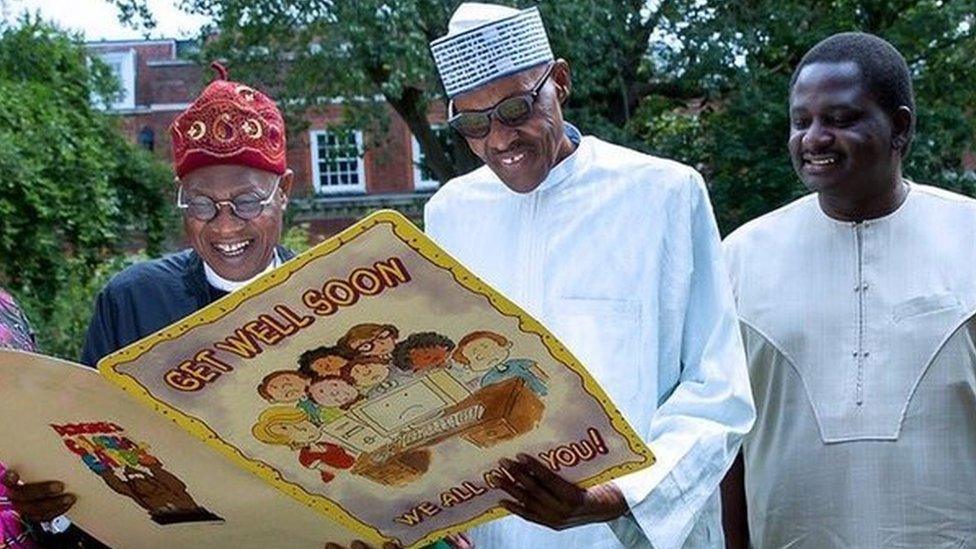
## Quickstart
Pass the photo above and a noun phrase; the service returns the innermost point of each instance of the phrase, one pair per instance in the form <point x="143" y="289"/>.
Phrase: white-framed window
<point x="337" y="161"/>
<point x="423" y="177"/>
<point x="123" y="65"/>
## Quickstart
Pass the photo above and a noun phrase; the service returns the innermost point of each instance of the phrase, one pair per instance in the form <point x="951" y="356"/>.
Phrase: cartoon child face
<point x="300" y="433"/>
<point x="422" y="358"/>
<point x="328" y="365"/>
<point x="286" y="387"/>
<point x="332" y="392"/>
<point x="485" y="353"/>
<point x="367" y="374"/>
<point x="381" y="344"/>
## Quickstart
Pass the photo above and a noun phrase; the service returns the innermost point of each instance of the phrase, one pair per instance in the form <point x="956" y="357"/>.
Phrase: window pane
<point x="339" y="161"/>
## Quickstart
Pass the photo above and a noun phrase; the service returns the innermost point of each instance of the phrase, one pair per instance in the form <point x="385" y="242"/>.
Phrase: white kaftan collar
<point x="573" y="163"/>
<point x="223" y="284"/>
<point x="890" y="216"/>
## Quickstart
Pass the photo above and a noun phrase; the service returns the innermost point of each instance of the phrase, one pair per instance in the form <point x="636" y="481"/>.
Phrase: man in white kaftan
<point x="618" y="253"/>
<point x="858" y="325"/>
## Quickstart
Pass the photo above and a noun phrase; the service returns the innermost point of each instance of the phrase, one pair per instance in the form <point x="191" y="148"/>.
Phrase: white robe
<point x="617" y="252"/>
<point x="861" y="352"/>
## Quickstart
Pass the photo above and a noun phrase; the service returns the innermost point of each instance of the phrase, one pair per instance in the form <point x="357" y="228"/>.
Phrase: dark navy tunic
<point x="147" y="297"/>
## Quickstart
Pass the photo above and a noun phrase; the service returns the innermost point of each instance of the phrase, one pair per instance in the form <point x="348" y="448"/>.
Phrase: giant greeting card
<point x="375" y="380"/>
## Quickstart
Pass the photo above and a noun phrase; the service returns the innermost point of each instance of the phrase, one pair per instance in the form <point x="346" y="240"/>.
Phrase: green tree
<point x="72" y="190"/>
<point x="740" y="55"/>
<point x="703" y="81"/>
<point x="310" y="53"/>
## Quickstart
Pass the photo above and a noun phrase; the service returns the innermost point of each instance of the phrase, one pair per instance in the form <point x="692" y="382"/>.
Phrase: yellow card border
<point x="421" y="243"/>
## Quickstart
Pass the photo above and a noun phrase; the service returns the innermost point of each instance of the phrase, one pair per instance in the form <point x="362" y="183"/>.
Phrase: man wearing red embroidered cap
<point x="232" y="187"/>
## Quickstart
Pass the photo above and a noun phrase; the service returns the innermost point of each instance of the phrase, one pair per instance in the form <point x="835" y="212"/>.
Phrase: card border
<point x="414" y="238"/>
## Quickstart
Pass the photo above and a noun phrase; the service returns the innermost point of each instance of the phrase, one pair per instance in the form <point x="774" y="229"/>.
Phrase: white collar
<point x="223" y="284"/>
<point x="570" y="165"/>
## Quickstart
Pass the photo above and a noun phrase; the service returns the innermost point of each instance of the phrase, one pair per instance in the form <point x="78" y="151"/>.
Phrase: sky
<point x="98" y="19"/>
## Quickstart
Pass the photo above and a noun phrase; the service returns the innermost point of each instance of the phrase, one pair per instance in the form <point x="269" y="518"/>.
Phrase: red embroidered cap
<point x="229" y="123"/>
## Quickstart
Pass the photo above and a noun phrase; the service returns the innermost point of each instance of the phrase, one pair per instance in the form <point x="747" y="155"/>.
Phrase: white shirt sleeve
<point x="696" y="431"/>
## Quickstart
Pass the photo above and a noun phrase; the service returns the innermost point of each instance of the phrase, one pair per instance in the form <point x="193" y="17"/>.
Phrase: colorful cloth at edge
<point x="15" y="333"/>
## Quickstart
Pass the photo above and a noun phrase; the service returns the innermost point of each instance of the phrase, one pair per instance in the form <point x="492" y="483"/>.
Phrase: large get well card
<point x="140" y="481"/>
<point x="377" y="381"/>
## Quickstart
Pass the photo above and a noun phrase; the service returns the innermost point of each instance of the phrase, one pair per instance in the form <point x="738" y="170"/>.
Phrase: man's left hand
<point x="543" y="497"/>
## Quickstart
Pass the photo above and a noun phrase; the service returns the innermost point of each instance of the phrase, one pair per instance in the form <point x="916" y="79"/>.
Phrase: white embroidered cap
<point x="487" y="41"/>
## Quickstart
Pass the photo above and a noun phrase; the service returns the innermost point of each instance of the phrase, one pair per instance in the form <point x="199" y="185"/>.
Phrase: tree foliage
<point x="72" y="189"/>
<point x="739" y="56"/>
<point x="703" y="81"/>
<point x="311" y="53"/>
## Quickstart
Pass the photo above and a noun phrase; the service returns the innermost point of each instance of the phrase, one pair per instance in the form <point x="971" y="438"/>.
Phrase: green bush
<point x="73" y="192"/>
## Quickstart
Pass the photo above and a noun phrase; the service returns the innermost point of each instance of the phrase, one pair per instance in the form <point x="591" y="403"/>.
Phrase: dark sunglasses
<point x="513" y="111"/>
<point x="244" y="206"/>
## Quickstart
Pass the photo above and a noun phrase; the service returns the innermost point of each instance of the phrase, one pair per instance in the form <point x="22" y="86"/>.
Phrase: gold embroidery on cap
<point x="252" y="128"/>
<point x="223" y="130"/>
<point x="197" y="130"/>
<point x="245" y="92"/>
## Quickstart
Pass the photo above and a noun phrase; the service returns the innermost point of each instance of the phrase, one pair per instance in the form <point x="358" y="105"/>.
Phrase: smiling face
<point x="367" y="374"/>
<point x="332" y="392"/>
<point x="841" y="141"/>
<point x="328" y="365"/>
<point x="299" y="433"/>
<point x="236" y="249"/>
<point x="404" y="405"/>
<point x="522" y="156"/>
<point x="484" y="353"/>
<point x="286" y="387"/>
<point x="422" y="358"/>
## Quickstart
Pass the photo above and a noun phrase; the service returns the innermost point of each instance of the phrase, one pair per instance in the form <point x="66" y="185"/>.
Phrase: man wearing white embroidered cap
<point x="618" y="253"/>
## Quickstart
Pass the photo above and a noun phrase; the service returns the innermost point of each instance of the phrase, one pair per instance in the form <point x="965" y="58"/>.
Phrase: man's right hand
<point x="37" y="501"/>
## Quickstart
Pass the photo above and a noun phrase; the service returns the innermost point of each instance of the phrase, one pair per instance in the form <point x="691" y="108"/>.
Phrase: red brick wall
<point x="388" y="162"/>
<point x="172" y="83"/>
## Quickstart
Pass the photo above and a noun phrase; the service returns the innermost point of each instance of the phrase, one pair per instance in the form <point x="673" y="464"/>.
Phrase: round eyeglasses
<point x="513" y="111"/>
<point x="370" y="344"/>
<point x="245" y="206"/>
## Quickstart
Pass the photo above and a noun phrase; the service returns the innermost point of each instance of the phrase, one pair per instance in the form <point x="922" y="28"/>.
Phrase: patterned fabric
<point x="229" y="123"/>
<point x="485" y="42"/>
<point x="15" y="333"/>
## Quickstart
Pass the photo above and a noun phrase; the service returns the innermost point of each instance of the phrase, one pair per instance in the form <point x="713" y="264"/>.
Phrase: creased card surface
<point x="141" y="481"/>
<point x="376" y="380"/>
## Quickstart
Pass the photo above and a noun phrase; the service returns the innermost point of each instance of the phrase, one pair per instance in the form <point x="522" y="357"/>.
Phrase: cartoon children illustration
<point x="292" y="427"/>
<point x="488" y="352"/>
<point x="372" y="340"/>
<point x="367" y="374"/>
<point x="422" y="351"/>
<point x="323" y="361"/>
<point x="284" y="387"/>
<point x="332" y="396"/>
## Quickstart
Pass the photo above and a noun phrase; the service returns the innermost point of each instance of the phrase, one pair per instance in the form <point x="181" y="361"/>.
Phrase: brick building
<point x="337" y="179"/>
